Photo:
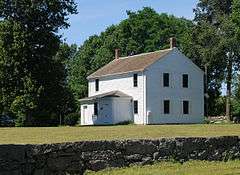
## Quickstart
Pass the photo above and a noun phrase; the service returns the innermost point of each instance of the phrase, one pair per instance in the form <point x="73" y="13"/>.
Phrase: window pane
<point x="95" y="108"/>
<point x="135" y="80"/>
<point x="166" y="106"/>
<point x="185" y="107"/>
<point x="135" y="107"/>
<point x="185" y="80"/>
<point x="97" y="85"/>
<point x="166" y="79"/>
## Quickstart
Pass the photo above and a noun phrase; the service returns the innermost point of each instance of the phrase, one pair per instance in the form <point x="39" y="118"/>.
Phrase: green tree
<point x="217" y="46"/>
<point x="65" y="96"/>
<point x="143" y="31"/>
<point x="31" y="76"/>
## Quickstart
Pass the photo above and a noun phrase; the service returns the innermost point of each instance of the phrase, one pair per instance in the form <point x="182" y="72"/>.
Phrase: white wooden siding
<point x="176" y="65"/>
<point x="123" y="83"/>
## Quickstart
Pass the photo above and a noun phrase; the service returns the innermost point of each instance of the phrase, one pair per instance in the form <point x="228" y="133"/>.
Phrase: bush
<point x="44" y="119"/>
<point x="71" y="119"/>
<point x="236" y="108"/>
<point x="206" y="121"/>
<point x="20" y="121"/>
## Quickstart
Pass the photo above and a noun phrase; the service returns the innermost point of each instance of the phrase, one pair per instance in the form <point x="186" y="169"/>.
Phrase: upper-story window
<point x="135" y="80"/>
<point x="185" y="107"/>
<point x="165" y="79"/>
<point x="185" y="80"/>
<point x="97" y="85"/>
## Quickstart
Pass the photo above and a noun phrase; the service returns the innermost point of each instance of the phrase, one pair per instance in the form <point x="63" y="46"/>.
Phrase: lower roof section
<point x="108" y="94"/>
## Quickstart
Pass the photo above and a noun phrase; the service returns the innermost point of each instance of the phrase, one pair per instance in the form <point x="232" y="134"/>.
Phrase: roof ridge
<point x="134" y="63"/>
<point x="146" y="53"/>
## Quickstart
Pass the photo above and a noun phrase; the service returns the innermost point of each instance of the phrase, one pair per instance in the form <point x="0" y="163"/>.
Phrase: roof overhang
<point x="112" y="94"/>
<point x="115" y="74"/>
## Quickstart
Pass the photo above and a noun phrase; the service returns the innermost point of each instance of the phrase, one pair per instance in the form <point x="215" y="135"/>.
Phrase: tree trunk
<point x="229" y="89"/>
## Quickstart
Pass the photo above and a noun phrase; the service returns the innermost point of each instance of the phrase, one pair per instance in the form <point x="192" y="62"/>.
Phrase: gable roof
<point x="129" y="64"/>
<point x="108" y="94"/>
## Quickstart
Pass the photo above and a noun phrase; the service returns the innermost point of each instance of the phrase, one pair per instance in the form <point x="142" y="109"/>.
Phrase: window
<point x="185" y="107"/>
<point x="135" y="80"/>
<point x="97" y="84"/>
<point x="135" y="105"/>
<point x="185" y="80"/>
<point x="166" y="80"/>
<point x="166" y="106"/>
<point x="96" y="109"/>
<point x="84" y="107"/>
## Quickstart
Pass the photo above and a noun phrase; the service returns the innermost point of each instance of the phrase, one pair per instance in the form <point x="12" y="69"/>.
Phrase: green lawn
<point x="70" y="134"/>
<point x="188" y="168"/>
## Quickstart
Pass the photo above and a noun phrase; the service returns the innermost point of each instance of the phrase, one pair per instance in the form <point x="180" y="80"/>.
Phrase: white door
<point x="105" y="113"/>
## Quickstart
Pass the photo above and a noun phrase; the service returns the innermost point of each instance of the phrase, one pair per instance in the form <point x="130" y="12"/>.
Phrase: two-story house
<point x="159" y="87"/>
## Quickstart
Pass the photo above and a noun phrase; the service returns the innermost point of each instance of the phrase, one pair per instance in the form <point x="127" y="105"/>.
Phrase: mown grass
<point x="72" y="134"/>
<point x="169" y="168"/>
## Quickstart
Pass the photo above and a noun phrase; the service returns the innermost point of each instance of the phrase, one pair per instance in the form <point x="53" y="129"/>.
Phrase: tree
<point x="143" y="31"/>
<point x="31" y="77"/>
<point x="18" y="92"/>
<point x="66" y="103"/>
<point x="220" y="48"/>
<point x="203" y="47"/>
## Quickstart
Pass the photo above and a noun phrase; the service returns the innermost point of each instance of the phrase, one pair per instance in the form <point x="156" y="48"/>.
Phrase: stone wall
<point x="75" y="158"/>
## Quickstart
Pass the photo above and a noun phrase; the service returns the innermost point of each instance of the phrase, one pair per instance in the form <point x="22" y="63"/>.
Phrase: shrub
<point x="20" y="121"/>
<point x="44" y="119"/>
<point x="236" y="108"/>
<point x="71" y="119"/>
<point x="206" y="121"/>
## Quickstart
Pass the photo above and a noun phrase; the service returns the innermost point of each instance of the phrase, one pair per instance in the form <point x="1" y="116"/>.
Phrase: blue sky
<point x="96" y="15"/>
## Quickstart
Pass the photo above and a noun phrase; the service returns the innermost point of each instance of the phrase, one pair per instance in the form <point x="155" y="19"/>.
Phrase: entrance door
<point x="105" y="112"/>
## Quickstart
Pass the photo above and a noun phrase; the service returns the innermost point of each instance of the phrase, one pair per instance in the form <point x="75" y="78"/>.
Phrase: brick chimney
<point x="173" y="42"/>
<point x="117" y="53"/>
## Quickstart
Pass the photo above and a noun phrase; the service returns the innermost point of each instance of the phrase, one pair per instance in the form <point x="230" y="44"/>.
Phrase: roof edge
<point x="141" y="54"/>
<point x="139" y="70"/>
<point x="191" y="61"/>
<point x="110" y="94"/>
<point x="170" y="50"/>
<point x="121" y="73"/>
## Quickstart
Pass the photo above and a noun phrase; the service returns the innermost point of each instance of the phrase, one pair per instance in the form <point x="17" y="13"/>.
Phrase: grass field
<point x="188" y="168"/>
<point x="70" y="134"/>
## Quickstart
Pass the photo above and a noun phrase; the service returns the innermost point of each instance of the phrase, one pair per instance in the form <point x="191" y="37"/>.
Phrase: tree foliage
<point x="32" y="78"/>
<point x="215" y="40"/>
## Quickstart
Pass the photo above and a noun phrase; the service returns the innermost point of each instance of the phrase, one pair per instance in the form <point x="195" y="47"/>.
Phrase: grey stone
<point x="146" y="161"/>
<point x="75" y="158"/>
<point x="156" y="155"/>
<point x="202" y="155"/>
<point x="96" y="165"/>
<point x="140" y="147"/>
<point x="134" y="158"/>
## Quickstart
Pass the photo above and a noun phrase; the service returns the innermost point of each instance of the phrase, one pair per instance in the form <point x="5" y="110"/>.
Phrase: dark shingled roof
<point x="129" y="64"/>
<point x="108" y="94"/>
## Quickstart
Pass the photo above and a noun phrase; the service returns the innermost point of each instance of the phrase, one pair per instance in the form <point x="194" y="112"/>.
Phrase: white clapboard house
<point x="160" y="87"/>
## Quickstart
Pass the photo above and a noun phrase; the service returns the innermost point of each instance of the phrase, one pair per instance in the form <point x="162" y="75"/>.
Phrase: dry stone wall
<point x="76" y="158"/>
